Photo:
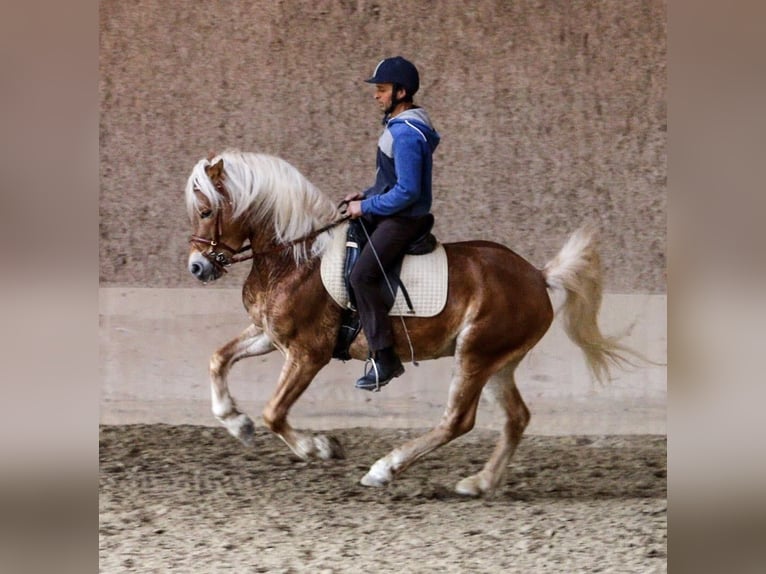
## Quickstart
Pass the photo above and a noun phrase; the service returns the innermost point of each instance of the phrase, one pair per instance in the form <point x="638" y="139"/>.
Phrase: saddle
<point x="356" y="239"/>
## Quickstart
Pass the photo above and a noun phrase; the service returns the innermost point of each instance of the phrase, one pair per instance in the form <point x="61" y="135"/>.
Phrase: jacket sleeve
<point x="409" y="150"/>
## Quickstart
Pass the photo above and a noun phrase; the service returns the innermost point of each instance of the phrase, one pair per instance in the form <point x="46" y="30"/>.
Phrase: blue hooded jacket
<point x="404" y="167"/>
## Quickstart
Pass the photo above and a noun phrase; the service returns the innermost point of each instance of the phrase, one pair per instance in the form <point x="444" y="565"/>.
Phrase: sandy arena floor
<point x="192" y="499"/>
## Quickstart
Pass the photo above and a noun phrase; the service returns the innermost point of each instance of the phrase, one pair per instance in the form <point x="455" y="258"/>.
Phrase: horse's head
<point x="238" y="197"/>
<point x="217" y="236"/>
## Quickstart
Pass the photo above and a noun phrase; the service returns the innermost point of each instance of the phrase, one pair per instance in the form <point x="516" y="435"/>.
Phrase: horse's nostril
<point x="195" y="269"/>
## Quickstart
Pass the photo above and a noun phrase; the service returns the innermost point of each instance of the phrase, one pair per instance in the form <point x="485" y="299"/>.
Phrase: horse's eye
<point x="205" y="214"/>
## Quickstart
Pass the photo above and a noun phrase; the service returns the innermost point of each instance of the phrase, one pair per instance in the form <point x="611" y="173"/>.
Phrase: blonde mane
<point x="266" y="188"/>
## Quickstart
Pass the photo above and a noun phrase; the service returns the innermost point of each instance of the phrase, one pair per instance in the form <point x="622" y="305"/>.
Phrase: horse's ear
<point x="215" y="171"/>
<point x="210" y="155"/>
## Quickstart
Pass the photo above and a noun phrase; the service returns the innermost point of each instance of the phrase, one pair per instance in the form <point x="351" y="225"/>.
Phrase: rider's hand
<point x="353" y="196"/>
<point x="355" y="209"/>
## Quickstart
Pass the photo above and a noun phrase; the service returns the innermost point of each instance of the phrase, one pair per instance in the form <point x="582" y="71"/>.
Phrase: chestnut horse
<point x="498" y="308"/>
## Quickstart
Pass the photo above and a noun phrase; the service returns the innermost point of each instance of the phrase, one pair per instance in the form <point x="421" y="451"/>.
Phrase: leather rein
<point x="221" y="260"/>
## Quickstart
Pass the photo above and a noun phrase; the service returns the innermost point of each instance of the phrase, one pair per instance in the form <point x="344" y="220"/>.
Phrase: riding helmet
<point x="396" y="70"/>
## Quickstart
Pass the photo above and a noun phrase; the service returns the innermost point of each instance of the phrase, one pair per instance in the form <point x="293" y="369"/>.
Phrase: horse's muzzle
<point x="202" y="268"/>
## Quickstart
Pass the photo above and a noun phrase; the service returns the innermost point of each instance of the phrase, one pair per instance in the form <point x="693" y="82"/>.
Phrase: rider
<point x="395" y="210"/>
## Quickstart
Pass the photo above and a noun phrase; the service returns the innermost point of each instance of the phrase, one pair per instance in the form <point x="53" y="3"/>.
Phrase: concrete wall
<point x="156" y="343"/>
<point x="552" y="113"/>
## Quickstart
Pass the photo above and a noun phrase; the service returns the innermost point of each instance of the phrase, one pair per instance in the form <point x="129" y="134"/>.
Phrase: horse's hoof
<point x="243" y="428"/>
<point x="329" y="447"/>
<point x="368" y="480"/>
<point x="247" y="440"/>
<point x="481" y="484"/>
<point x="469" y="487"/>
<point x="378" y="475"/>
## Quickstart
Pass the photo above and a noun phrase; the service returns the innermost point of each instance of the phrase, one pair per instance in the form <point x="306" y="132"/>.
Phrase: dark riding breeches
<point x="390" y="236"/>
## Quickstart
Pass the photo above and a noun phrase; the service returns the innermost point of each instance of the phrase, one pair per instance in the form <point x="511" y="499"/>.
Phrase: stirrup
<point x="369" y="365"/>
<point x="376" y="377"/>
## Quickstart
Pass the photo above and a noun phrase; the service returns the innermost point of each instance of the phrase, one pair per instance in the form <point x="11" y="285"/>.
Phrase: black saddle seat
<point x="426" y="242"/>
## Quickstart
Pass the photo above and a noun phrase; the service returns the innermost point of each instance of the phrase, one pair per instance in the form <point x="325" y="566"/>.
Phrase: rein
<point x="221" y="261"/>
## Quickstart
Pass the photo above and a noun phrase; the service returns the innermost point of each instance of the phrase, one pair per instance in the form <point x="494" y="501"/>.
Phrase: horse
<point x="498" y="307"/>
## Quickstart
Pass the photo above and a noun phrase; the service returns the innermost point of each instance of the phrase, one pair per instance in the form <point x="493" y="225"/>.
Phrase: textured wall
<point x="551" y="113"/>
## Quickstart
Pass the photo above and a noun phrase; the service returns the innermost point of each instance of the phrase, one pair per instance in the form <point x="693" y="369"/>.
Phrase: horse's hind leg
<point x="458" y="419"/>
<point x="251" y="342"/>
<point x="502" y="387"/>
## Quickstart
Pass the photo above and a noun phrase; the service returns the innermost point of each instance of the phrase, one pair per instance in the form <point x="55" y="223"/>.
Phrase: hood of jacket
<point x="418" y="119"/>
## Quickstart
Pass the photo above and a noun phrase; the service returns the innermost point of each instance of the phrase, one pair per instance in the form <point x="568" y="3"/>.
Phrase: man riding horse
<point x="395" y="210"/>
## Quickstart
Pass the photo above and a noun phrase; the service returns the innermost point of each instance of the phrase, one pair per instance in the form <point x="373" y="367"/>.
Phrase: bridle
<point x="220" y="260"/>
<point x="216" y="254"/>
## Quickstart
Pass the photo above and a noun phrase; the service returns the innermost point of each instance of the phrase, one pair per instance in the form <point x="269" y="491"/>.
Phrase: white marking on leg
<point x="323" y="447"/>
<point x="222" y="406"/>
<point x="397" y="459"/>
<point x="379" y="474"/>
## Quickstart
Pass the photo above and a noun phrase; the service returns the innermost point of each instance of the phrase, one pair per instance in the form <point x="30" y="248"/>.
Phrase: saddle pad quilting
<point x="424" y="277"/>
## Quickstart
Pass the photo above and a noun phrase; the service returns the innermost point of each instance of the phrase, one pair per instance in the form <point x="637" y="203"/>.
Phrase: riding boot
<point x="385" y="366"/>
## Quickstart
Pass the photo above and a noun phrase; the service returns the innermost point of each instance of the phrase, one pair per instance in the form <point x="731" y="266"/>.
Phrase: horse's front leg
<point x="251" y="342"/>
<point x="297" y="373"/>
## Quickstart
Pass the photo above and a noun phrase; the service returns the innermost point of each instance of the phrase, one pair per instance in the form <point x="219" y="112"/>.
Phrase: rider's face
<point x="383" y="95"/>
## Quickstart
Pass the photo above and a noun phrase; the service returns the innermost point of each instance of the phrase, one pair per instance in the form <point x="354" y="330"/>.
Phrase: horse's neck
<point x="261" y="242"/>
<point x="275" y="278"/>
<point x="273" y="266"/>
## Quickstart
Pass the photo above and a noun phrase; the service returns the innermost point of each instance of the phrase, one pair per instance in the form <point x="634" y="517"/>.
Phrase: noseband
<point x="221" y="260"/>
<point x="216" y="254"/>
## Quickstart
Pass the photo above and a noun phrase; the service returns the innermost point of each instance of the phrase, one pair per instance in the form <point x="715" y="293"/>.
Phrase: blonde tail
<point x="576" y="270"/>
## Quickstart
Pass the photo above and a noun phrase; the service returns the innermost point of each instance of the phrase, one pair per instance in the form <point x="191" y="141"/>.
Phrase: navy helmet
<point x="398" y="71"/>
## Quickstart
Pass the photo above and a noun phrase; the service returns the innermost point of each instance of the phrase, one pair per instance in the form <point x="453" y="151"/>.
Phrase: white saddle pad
<point x="424" y="277"/>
